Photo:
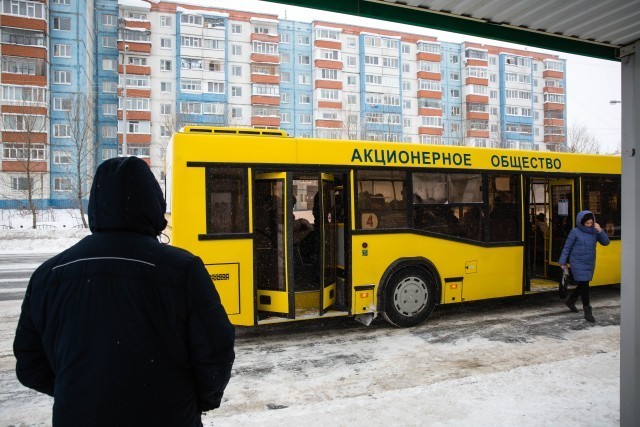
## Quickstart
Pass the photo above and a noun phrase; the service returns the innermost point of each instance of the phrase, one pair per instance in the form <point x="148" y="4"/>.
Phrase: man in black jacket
<point x="121" y="329"/>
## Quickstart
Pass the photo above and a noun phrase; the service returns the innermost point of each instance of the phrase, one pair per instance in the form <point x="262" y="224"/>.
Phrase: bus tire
<point x="410" y="296"/>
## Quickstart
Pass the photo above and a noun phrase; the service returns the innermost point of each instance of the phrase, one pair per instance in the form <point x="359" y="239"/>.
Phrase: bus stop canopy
<point x="603" y="29"/>
<point x="606" y="29"/>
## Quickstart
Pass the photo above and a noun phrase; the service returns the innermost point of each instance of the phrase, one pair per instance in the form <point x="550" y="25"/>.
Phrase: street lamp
<point x="121" y="25"/>
<point x="615" y="101"/>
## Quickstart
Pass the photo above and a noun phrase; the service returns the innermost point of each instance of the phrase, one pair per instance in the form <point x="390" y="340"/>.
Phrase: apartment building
<point x="149" y="68"/>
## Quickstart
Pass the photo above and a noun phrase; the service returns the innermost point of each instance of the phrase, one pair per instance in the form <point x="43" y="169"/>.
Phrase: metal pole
<point x="125" y="48"/>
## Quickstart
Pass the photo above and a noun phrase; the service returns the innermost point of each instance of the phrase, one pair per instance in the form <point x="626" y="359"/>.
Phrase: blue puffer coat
<point x="580" y="249"/>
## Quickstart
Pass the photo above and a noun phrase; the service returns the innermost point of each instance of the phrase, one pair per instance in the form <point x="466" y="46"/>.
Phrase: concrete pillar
<point x="630" y="289"/>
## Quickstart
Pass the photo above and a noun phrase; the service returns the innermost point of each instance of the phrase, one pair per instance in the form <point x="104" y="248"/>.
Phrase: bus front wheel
<point x="410" y="296"/>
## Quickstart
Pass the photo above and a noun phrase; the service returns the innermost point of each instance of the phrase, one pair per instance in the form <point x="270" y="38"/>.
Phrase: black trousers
<point x="582" y="291"/>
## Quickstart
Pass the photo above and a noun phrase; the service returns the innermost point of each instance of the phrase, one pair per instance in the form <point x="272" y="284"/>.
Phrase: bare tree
<point x="581" y="141"/>
<point x="25" y="146"/>
<point x="81" y="129"/>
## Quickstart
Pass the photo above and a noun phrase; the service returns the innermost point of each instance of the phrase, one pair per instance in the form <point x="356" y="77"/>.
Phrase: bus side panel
<point x="486" y="272"/>
<point x="608" y="264"/>
<point x="228" y="261"/>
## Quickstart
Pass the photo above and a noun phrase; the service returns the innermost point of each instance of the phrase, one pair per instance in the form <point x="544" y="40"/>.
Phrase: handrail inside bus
<point x="233" y="131"/>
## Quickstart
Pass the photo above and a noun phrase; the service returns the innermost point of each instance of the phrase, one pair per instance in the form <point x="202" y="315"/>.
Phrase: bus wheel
<point x="410" y="296"/>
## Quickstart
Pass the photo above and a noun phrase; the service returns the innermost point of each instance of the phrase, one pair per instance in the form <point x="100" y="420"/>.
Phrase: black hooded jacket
<point x="121" y="329"/>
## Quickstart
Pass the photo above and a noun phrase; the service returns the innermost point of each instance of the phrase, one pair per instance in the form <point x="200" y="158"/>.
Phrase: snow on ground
<point x="57" y="229"/>
<point x="528" y="365"/>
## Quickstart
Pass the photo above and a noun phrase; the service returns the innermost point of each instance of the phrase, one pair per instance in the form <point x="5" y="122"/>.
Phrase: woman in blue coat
<point x="580" y="251"/>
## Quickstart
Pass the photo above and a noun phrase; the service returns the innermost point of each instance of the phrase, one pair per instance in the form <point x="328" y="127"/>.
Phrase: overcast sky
<point x="591" y="83"/>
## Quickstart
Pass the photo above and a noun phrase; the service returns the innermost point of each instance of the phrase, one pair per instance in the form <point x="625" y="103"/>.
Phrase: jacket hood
<point x="125" y="196"/>
<point x="579" y="221"/>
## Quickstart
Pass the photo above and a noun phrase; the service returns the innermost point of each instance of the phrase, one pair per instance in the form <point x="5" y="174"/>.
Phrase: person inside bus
<point x="121" y="329"/>
<point x="580" y="251"/>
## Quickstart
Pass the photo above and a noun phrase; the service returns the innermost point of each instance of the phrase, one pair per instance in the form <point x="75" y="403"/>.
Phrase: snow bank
<point x="42" y="241"/>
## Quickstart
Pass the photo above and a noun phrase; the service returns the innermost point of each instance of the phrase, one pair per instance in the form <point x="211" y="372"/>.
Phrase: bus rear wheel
<point x="410" y="296"/>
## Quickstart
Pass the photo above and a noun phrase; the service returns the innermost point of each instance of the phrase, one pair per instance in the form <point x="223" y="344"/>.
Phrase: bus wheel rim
<point x="410" y="296"/>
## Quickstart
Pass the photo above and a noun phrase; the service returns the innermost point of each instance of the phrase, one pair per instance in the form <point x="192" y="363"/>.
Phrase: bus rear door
<point x="562" y="200"/>
<point x="274" y="290"/>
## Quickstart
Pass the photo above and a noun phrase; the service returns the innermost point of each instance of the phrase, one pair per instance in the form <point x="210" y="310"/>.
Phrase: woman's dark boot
<point x="571" y="303"/>
<point x="588" y="315"/>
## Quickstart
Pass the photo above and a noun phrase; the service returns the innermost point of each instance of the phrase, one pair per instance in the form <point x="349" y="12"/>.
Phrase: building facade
<point x="126" y="76"/>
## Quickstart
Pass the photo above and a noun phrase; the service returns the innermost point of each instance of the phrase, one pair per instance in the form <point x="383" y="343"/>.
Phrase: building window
<point x="406" y="49"/>
<point x="165" y="108"/>
<point x="109" y="20"/>
<point x="351" y="61"/>
<point x="62" y="24"/>
<point x="165" y="86"/>
<point x="165" y="43"/>
<point x="285" y="38"/>
<point x="236" y="113"/>
<point x="109" y="131"/>
<point x="304" y="59"/>
<point x="455" y="93"/>
<point x="406" y="67"/>
<point x="62" y="77"/>
<point x="62" y="131"/>
<point x="109" y="109"/>
<point x="455" y="76"/>
<point x="236" y="91"/>
<point x="62" y="50"/>
<point x="236" y="29"/>
<point x="214" y="87"/>
<point x="62" y="157"/>
<point x="61" y="104"/>
<point x="285" y="77"/>
<point x="165" y="65"/>
<point x="20" y="183"/>
<point x="236" y="70"/>
<point x="285" y="98"/>
<point x="165" y="131"/>
<point x="493" y="94"/>
<point x="285" y="117"/>
<point x="406" y="104"/>
<point x="62" y="184"/>
<point x="109" y="64"/>
<point x="304" y="119"/>
<point x="109" y="42"/>
<point x="304" y="98"/>
<point x="109" y="87"/>
<point x="109" y="153"/>
<point x="304" y="79"/>
<point x="166" y="21"/>
<point x="236" y="50"/>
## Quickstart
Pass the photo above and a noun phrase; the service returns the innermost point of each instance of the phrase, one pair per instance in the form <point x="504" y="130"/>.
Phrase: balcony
<point x="327" y="63"/>
<point x="476" y="81"/>
<point x="265" y="121"/>
<point x="265" y="78"/>
<point x="428" y="75"/>
<point x="135" y="47"/>
<point x="265" y="100"/>
<point x="427" y="56"/>
<point x="552" y="89"/>
<point x="478" y="133"/>
<point x="327" y="44"/>
<point x="328" y="84"/>
<point x="264" y="58"/>
<point x="37" y="166"/>
<point x="553" y="106"/>
<point x="554" y="139"/>
<point x="552" y="74"/>
<point x="431" y="94"/>
<point x="428" y="130"/>
<point x="436" y="112"/>
<point x="269" y="38"/>
<point x="477" y="99"/>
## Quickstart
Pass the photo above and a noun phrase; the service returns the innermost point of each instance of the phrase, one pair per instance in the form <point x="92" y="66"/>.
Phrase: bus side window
<point x="504" y="210"/>
<point x="381" y="199"/>
<point x="226" y="200"/>
<point x="601" y="196"/>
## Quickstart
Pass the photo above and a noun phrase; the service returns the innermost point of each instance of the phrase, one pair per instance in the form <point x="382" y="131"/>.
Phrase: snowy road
<point x="15" y="271"/>
<point x="526" y="361"/>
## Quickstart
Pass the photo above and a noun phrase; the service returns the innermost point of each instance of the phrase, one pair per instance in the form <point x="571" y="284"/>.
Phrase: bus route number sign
<point x="369" y="221"/>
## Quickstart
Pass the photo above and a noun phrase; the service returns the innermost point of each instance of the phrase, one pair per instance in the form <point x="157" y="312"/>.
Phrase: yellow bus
<point x="296" y="228"/>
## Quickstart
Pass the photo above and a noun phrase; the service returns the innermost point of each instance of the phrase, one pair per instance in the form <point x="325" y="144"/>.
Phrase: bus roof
<point x="205" y="144"/>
